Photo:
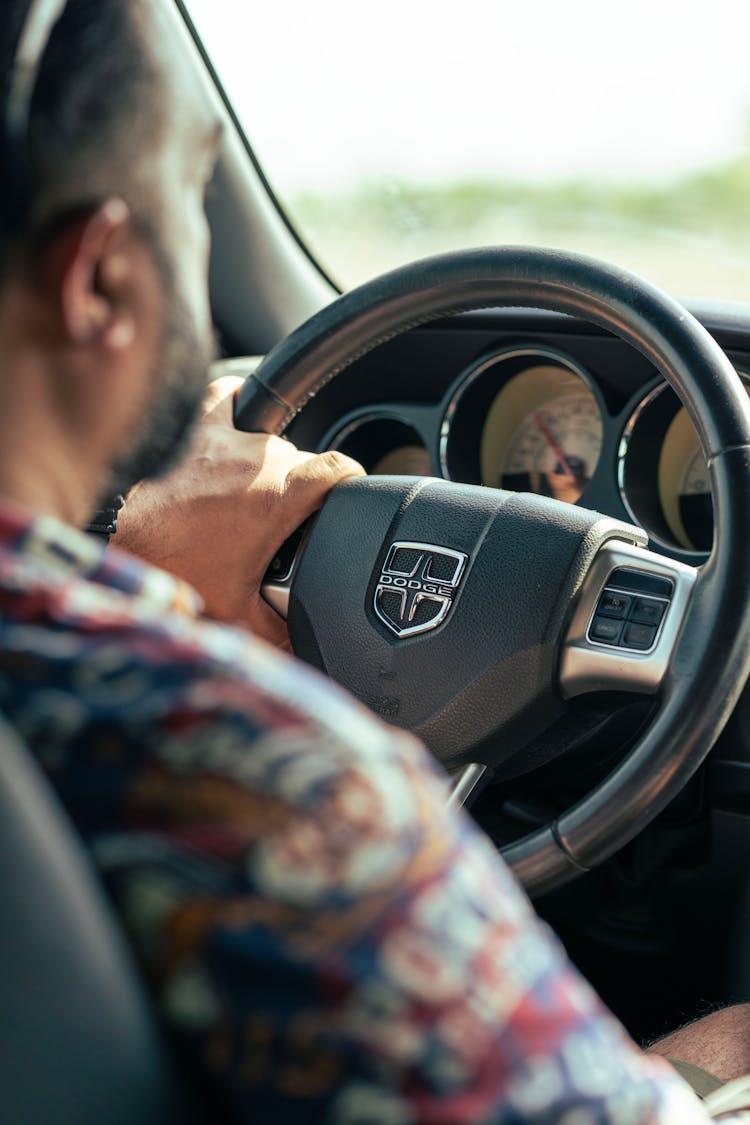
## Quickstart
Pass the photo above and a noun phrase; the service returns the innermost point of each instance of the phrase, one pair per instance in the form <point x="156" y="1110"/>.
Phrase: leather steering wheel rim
<point x="711" y="659"/>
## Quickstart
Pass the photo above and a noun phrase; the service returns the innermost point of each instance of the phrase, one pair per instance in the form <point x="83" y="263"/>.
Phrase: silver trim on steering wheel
<point x="466" y="783"/>
<point x="588" y="665"/>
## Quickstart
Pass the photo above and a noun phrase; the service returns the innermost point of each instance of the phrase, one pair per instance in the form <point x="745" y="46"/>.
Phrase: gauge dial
<point x="695" y="476"/>
<point x="405" y="461"/>
<point x="555" y="450"/>
<point x="383" y="444"/>
<point x="694" y="503"/>
<point x="660" y="443"/>
<point x="685" y="484"/>
<point x="543" y="434"/>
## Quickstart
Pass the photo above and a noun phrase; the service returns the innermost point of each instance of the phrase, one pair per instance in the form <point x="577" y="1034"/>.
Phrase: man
<point x="333" y="942"/>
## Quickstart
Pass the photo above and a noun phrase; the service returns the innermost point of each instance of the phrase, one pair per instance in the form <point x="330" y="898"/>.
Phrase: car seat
<point x="80" y="1044"/>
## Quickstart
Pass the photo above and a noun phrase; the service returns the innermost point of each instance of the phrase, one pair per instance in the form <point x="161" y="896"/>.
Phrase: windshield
<point x="401" y="129"/>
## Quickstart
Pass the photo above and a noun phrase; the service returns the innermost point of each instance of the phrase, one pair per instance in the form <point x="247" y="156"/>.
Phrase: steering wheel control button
<point x="282" y="564"/>
<point x="277" y="581"/>
<point x="640" y="582"/>
<point x="639" y="637"/>
<point x="605" y="629"/>
<point x="630" y="610"/>
<point x="658" y="592"/>
<point x="416" y="587"/>
<point x="627" y="621"/>
<point x="648" y="611"/>
<point x="614" y="604"/>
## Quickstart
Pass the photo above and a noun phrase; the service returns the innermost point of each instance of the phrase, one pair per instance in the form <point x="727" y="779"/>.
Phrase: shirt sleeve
<point x="333" y="941"/>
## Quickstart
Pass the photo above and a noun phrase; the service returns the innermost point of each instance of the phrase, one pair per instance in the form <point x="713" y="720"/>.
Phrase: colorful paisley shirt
<point x="332" y="941"/>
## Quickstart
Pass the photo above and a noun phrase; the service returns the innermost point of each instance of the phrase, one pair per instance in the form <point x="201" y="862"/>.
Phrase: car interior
<point x="492" y="378"/>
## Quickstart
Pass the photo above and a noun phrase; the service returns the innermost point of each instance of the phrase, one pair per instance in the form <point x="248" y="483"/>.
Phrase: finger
<point x="310" y="480"/>
<point x="218" y="403"/>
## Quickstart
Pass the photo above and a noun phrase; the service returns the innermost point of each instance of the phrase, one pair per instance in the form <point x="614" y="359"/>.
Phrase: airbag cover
<point x="483" y="682"/>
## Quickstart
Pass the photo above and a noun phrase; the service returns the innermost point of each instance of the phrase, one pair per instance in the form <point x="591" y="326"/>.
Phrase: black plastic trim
<point x="282" y="212"/>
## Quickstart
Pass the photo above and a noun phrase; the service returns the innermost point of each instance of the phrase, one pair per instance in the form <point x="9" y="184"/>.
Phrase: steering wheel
<point x="473" y="616"/>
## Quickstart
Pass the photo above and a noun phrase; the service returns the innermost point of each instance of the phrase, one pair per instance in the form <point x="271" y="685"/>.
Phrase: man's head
<point x="104" y="315"/>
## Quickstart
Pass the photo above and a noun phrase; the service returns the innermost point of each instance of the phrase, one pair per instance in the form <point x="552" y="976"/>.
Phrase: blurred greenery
<point x="719" y="196"/>
<point x="691" y="235"/>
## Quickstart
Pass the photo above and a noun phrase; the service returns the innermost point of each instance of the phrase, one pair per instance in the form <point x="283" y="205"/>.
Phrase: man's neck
<point x="42" y="468"/>
<point x="41" y="495"/>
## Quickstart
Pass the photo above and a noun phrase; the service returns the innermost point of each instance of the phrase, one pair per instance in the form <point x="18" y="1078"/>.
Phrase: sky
<point x="334" y="92"/>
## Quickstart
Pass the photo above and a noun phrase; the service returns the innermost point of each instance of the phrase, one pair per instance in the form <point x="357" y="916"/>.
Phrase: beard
<point x="180" y="385"/>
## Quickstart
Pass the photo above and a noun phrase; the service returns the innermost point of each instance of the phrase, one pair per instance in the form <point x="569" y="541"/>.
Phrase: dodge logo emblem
<point x="416" y="587"/>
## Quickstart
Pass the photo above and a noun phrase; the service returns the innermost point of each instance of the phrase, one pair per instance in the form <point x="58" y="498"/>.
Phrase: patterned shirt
<point x="333" y="941"/>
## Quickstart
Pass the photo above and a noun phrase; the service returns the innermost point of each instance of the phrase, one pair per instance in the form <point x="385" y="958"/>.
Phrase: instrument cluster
<point x="534" y="419"/>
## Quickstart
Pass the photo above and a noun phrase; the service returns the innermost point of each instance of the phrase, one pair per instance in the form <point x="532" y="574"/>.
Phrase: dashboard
<point x="535" y="402"/>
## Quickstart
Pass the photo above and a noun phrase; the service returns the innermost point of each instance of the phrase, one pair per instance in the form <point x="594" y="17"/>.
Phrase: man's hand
<point x="219" y="518"/>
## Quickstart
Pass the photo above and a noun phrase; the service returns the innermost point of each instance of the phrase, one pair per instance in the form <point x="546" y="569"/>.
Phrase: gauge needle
<point x="552" y="442"/>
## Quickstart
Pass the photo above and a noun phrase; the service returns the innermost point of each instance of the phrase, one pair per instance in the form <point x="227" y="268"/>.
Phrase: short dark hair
<point x="95" y="113"/>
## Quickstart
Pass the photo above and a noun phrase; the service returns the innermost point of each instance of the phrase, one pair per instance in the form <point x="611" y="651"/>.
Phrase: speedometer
<point x="555" y="449"/>
<point x="543" y="433"/>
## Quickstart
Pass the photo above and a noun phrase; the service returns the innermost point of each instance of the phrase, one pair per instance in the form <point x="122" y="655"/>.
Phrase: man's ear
<point x="89" y="267"/>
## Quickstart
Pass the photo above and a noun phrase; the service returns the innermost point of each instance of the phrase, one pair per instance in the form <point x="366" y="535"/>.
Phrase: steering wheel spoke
<point x="277" y="581"/>
<point x="628" y="616"/>
<point x="468" y="783"/>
